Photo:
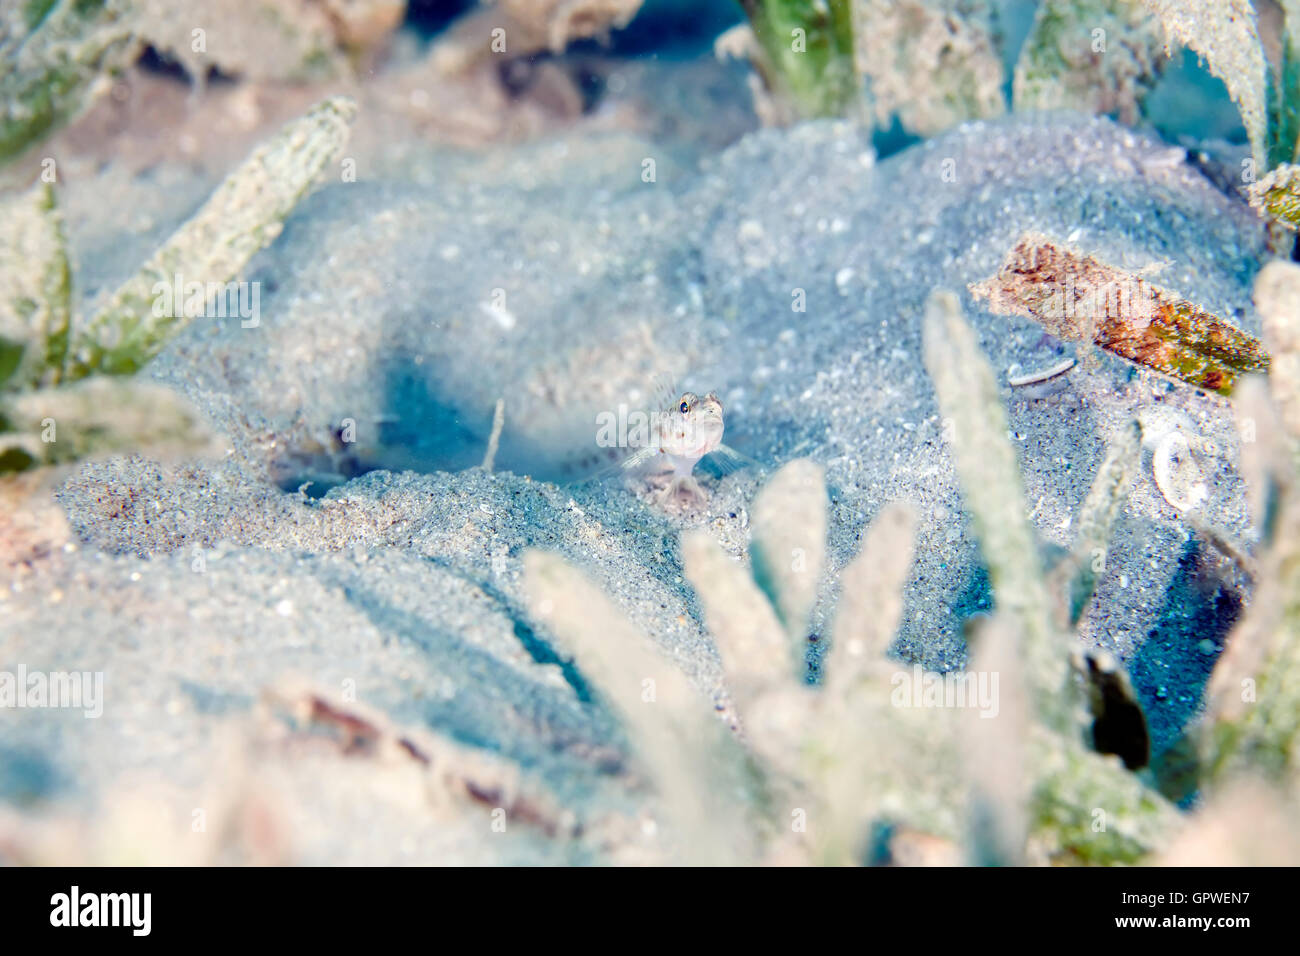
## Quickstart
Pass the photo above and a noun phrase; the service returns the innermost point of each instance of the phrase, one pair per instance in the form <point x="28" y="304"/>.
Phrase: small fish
<point x="684" y="431"/>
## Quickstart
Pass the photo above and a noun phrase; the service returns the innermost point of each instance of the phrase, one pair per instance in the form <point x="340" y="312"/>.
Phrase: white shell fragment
<point x="1036" y="378"/>
<point x="1177" y="474"/>
<point x="1171" y="436"/>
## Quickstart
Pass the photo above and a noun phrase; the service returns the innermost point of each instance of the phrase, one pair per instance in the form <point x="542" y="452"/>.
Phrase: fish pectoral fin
<point x="724" y="459"/>
<point x="634" y="461"/>
<point x="638" y="458"/>
<point x="622" y="466"/>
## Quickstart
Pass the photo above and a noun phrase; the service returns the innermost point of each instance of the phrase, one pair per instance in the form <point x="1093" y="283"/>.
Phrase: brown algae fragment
<point x="1081" y="299"/>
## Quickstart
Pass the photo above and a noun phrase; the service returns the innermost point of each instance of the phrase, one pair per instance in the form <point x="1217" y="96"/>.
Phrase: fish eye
<point x="684" y="407"/>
